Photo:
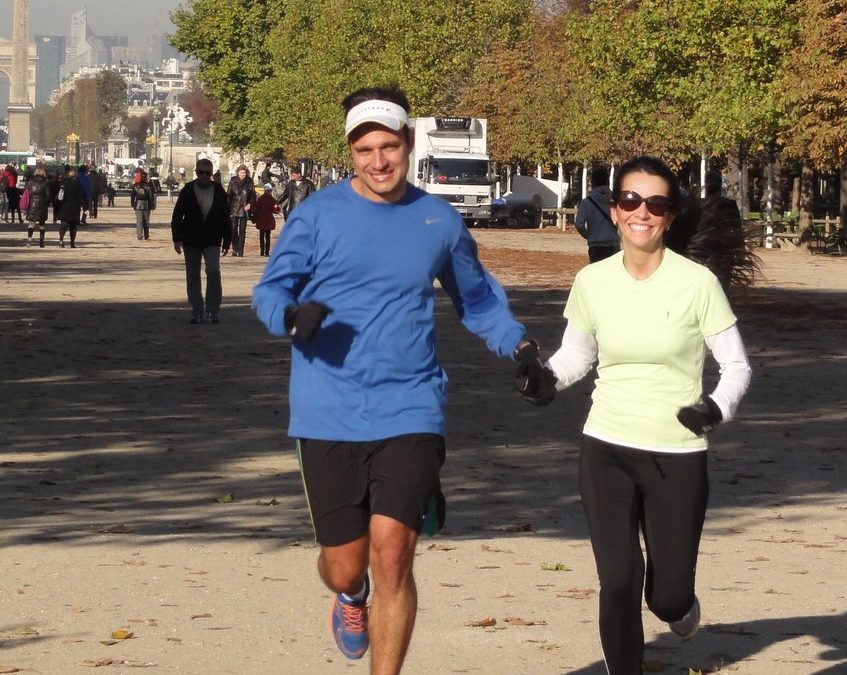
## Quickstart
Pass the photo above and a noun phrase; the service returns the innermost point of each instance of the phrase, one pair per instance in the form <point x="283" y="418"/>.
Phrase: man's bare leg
<point x="395" y="597"/>
<point x="343" y="568"/>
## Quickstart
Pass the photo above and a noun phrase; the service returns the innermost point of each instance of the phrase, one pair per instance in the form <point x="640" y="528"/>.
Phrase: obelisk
<point x="20" y="108"/>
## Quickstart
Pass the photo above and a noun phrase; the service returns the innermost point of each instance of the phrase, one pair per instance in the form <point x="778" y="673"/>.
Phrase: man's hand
<point x="701" y="417"/>
<point x="224" y="249"/>
<point x="178" y="247"/>
<point x="303" y="321"/>
<point x="534" y="381"/>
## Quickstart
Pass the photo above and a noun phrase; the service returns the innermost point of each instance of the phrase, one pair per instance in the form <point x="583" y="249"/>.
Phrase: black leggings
<point x="663" y="496"/>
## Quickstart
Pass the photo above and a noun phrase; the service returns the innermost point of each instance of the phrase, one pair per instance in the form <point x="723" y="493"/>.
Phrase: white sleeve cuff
<point x="574" y="358"/>
<point x="728" y="350"/>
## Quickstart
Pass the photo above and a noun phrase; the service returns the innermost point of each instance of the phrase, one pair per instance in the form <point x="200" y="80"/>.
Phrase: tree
<point x="230" y="38"/>
<point x="814" y="88"/>
<point x="430" y="49"/>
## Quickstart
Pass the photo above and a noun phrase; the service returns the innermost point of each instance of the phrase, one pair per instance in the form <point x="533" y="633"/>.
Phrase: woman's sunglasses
<point x="658" y="205"/>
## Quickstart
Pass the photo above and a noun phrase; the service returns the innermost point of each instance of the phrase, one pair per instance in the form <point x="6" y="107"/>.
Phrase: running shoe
<point x="348" y="621"/>
<point x="687" y="625"/>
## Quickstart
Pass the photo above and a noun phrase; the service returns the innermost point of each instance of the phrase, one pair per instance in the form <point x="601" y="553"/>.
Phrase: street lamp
<point x="171" y="117"/>
<point x="157" y="118"/>
<point x="73" y="147"/>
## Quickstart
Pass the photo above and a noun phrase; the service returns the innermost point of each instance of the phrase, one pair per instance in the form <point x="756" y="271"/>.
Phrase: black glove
<point x="535" y="382"/>
<point x="701" y="417"/>
<point x="303" y="321"/>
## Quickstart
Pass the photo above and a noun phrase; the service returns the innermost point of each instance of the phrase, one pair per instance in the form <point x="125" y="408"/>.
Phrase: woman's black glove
<point x="534" y="381"/>
<point x="303" y="321"/>
<point x="701" y="417"/>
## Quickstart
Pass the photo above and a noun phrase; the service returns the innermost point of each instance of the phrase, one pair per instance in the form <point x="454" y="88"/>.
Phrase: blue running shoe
<point x="348" y="621"/>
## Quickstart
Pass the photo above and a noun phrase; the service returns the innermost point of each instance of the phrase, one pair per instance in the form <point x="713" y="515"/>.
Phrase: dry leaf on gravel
<point x="487" y="622"/>
<point x="517" y="621"/>
<point x="225" y="499"/>
<point x="9" y="669"/>
<point x="121" y="634"/>
<point x="201" y="616"/>
<point x="94" y="663"/>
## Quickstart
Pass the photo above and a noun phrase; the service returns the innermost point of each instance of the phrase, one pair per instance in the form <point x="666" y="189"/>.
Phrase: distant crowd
<point x="71" y="196"/>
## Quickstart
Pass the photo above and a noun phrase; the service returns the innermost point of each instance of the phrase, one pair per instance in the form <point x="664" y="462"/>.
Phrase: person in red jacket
<point x="262" y="214"/>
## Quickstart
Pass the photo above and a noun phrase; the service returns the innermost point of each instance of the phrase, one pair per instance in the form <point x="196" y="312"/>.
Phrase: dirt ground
<point x="147" y="485"/>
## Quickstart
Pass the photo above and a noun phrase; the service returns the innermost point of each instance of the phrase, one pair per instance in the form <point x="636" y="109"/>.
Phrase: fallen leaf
<point x="488" y="622"/>
<point x="225" y="499"/>
<point x="201" y="616"/>
<point x="488" y="549"/>
<point x="9" y="669"/>
<point x="439" y="547"/>
<point x="555" y="567"/>
<point x="272" y="502"/>
<point x="114" y="529"/>
<point x="121" y="634"/>
<point x="446" y="585"/>
<point x="691" y="671"/>
<point x="94" y="663"/>
<point x="517" y="621"/>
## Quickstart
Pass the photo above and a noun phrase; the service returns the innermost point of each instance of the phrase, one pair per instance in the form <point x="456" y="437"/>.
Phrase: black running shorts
<point x="347" y="482"/>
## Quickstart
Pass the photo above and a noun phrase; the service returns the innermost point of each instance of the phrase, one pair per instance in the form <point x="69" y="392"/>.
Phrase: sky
<point x="138" y="19"/>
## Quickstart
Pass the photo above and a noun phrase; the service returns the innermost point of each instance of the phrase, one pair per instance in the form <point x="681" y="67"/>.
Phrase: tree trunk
<point x="807" y="194"/>
<point x="843" y="195"/>
<point x="736" y="180"/>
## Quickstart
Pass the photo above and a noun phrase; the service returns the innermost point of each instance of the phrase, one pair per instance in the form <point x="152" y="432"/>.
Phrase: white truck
<point x="450" y="160"/>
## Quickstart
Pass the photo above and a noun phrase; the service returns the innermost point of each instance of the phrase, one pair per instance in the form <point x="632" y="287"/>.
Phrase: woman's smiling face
<point x="640" y="229"/>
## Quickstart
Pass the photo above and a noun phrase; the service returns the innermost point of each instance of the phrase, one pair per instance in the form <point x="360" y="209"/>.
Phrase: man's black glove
<point x="535" y="382"/>
<point x="701" y="417"/>
<point x="303" y="321"/>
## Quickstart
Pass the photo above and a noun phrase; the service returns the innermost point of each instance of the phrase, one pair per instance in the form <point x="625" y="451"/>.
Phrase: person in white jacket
<point x="646" y="316"/>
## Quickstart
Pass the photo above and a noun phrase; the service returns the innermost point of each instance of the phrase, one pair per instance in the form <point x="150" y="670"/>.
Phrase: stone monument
<point x="20" y="108"/>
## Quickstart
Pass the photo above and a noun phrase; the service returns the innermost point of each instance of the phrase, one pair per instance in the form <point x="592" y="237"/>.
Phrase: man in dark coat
<point x="296" y="191"/>
<point x="593" y="220"/>
<point x="201" y="231"/>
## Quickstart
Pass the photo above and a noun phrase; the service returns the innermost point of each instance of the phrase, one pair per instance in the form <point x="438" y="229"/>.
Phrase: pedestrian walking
<point x="74" y="206"/>
<point x="39" y="201"/>
<point x="296" y="190"/>
<point x="241" y="193"/>
<point x="201" y="232"/>
<point x="351" y="282"/>
<point x="262" y="214"/>
<point x="648" y="314"/>
<point x="143" y="201"/>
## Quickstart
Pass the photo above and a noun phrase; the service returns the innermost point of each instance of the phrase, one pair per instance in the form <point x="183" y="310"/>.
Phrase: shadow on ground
<point x="120" y="419"/>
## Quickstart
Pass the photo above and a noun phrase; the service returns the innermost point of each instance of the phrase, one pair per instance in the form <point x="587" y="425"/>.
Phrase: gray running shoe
<point x="687" y="626"/>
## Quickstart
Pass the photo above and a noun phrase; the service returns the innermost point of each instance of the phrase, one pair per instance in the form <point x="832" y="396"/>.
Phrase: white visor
<point x="384" y="113"/>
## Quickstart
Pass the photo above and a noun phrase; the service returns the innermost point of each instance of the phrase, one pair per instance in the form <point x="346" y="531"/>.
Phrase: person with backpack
<point x="39" y="200"/>
<point x="593" y="220"/>
<point x="143" y="201"/>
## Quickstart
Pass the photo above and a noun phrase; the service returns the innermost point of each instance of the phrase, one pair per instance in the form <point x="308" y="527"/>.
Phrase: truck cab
<point x="450" y="160"/>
